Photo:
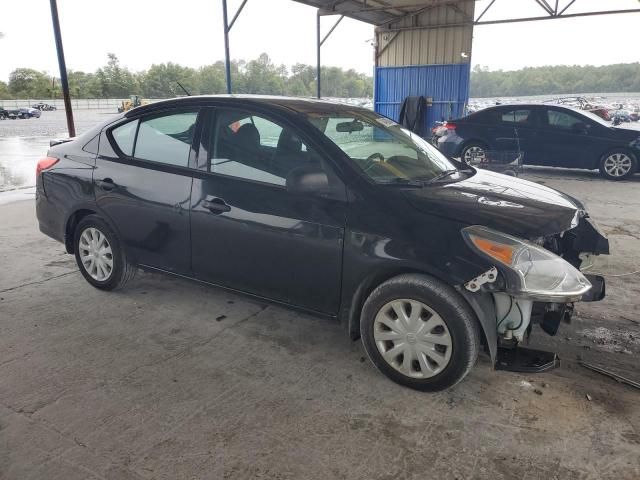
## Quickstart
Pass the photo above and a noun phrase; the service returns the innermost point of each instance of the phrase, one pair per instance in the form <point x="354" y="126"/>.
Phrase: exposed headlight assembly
<point x="530" y="270"/>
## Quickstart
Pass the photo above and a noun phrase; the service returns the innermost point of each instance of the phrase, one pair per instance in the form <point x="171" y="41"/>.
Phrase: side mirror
<point x="307" y="180"/>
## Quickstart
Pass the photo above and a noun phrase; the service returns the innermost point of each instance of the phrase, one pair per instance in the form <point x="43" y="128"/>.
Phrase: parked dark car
<point x="24" y="113"/>
<point x="4" y="114"/>
<point x="44" y="107"/>
<point x="550" y="135"/>
<point x="328" y="208"/>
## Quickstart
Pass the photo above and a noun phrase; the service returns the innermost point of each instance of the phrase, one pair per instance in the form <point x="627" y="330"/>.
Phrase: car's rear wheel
<point x="618" y="165"/>
<point x="420" y="332"/>
<point x="100" y="256"/>
<point x="474" y="153"/>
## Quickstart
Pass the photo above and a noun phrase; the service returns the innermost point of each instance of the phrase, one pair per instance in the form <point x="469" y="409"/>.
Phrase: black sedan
<point x="550" y="135"/>
<point x="328" y="208"/>
<point x="23" y="112"/>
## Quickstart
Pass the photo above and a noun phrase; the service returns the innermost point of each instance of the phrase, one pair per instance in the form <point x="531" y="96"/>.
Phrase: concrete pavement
<point x="171" y="379"/>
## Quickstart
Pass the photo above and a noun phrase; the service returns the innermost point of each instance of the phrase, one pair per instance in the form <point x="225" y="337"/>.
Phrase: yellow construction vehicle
<point x="133" y="102"/>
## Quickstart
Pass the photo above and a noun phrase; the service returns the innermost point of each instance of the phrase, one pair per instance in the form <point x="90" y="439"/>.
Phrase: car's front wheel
<point x="618" y="165"/>
<point x="420" y="332"/>
<point x="100" y="256"/>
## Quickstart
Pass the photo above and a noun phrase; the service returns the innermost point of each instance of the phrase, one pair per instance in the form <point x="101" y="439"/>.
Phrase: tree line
<point x="258" y="76"/>
<point x="623" y="77"/>
<point x="262" y="76"/>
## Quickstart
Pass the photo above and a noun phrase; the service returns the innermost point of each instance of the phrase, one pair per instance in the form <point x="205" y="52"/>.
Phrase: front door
<point x="143" y="184"/>
<point x="567" y="139"/>
<point x="249" y="231"/>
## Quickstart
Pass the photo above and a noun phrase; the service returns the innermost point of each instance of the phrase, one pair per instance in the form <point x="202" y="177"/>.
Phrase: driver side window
<point x="249" y="146"/>
<point x="563" y="120"/>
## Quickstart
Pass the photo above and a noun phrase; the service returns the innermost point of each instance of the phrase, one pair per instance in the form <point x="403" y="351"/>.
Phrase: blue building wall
<point x="448" y="85"/>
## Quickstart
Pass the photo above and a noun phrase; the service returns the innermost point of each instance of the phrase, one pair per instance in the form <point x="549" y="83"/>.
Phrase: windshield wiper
<point x="403" y="182"/>
<point x="442" y="175"/>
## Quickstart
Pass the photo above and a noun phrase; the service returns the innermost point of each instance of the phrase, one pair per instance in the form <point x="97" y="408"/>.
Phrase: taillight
<point x="450" y="126"/>
<point x="45" y="164"/>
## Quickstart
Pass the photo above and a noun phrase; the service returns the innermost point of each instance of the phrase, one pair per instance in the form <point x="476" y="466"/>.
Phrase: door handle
<point x="106" y="184"/>
<point x="216" y="205"/>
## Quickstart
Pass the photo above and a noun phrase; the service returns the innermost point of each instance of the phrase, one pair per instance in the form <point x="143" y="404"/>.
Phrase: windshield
<point x="385" y="151"/>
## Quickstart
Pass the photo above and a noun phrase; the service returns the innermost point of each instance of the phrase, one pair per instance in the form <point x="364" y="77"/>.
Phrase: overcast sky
<point x="189" y="32"/>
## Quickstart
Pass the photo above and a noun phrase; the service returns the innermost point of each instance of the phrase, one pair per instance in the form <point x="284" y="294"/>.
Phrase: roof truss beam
<point x="557" y="11"/>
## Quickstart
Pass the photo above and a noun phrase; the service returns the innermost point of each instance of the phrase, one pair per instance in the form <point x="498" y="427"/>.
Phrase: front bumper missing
<point x="526" y="360"/>
<point x="597" y="291"/>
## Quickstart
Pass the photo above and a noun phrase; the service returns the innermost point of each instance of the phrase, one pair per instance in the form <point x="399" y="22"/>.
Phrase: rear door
<point x="143" y="184"/>
<point x="516" y="129"/>
<point x="249" y="232"/>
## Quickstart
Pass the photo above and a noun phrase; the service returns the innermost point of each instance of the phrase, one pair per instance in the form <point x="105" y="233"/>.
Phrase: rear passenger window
<point x="125" y="136"/>
<point x="166" y="139"/>
<point x="516" y="116"/>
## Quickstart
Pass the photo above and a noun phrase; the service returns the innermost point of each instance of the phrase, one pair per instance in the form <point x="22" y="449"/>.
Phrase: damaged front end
<point x="532" y="281"/>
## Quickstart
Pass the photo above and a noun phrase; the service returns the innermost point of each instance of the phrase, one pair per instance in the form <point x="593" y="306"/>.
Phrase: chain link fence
<point x="76" y="103"/>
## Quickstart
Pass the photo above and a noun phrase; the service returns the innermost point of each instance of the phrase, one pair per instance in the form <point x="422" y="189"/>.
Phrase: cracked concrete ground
<point x="169" y="379"/>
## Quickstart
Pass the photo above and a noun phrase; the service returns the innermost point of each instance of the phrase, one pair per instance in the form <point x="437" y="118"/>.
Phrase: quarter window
<point x="125" y="136"/>
<point x="252" y="147"/>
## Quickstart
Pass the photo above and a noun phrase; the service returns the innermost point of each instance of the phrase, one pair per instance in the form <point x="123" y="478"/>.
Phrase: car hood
<point x="501" y="202"/>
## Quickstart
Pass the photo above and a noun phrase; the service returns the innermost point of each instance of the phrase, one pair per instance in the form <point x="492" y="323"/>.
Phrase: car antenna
<point x="183" y="89"/>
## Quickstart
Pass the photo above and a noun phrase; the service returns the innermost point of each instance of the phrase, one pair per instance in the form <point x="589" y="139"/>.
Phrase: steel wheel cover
<point x="474" y="155"/>
<point x="617" y="164"/>
<point x="412" y="338"/>
<point x="95" y="254"/>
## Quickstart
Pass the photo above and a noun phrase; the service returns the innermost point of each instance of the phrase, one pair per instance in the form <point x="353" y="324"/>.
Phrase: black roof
<point x="294" y="104"/>
<point x="532" y="105"/>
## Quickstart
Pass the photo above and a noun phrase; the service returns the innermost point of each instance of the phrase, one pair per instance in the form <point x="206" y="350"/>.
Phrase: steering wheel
<point x="370" y="161"/>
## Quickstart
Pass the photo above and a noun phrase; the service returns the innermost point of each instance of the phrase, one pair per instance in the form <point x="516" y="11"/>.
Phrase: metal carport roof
<point x="384" y="12"/>
<point x="375" y="12"/>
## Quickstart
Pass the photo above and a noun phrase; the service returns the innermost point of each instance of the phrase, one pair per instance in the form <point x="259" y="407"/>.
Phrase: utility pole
<point x="63" y="68"/>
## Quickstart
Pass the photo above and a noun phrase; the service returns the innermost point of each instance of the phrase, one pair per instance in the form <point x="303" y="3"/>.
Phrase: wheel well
<point x="370" y="284"/>
<point x="473" y="140"/>
<point x="70" y="228"/>
<point x="364" y="290"/>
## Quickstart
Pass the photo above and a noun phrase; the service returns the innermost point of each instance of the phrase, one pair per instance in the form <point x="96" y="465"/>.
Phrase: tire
<point x="618" y="164"/>
<point x="434" y="366"/>
<point x="121" y="270"/>
<point x="471" y="149"/>
<point x="24" y="116"/>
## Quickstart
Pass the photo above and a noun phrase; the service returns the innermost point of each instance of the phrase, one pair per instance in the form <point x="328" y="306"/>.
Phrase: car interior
<point x="248" y="146"/>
